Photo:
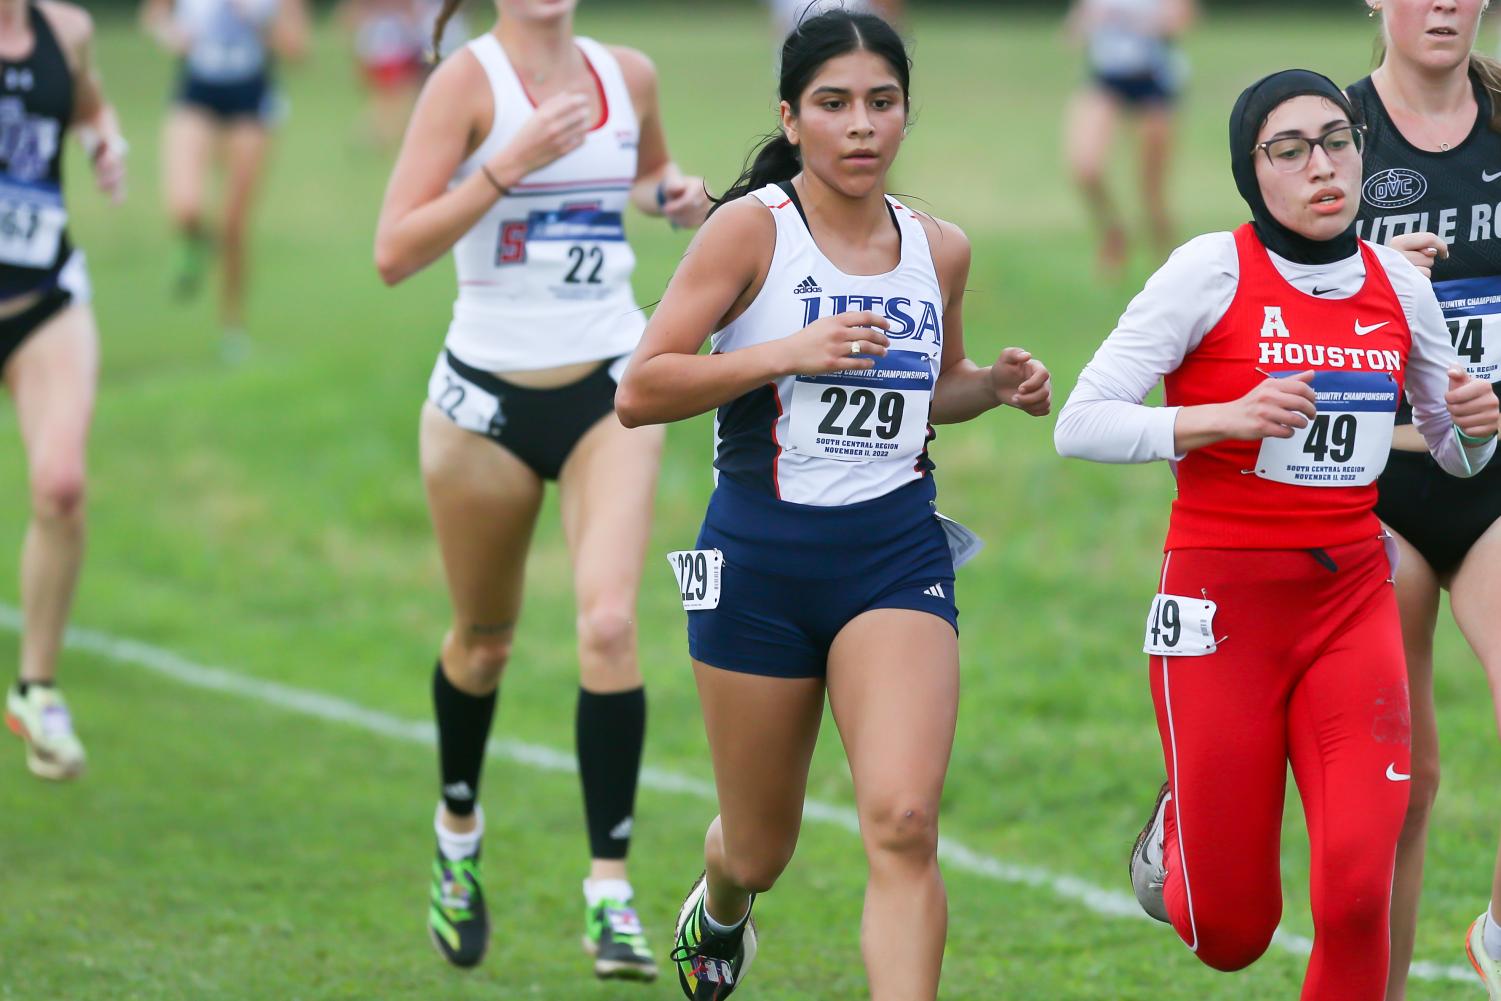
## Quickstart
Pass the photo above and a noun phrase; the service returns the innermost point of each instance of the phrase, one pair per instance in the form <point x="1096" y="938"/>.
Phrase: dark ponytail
<point x="450" y="7"/>
<point x="813" y="43"/>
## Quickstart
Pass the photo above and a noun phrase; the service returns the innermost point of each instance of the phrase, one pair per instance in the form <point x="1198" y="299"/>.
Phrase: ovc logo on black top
<point x="1395" y="188"/>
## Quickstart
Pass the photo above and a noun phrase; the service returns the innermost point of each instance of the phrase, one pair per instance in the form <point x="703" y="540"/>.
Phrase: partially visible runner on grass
<point x="49" y="345"/>
<point x="1433" y="157"/>
<point x="1136" y="74"/>
<point x="823" y="569"/>
<point x="523" y="153"/>
<point x="225" y="107"/>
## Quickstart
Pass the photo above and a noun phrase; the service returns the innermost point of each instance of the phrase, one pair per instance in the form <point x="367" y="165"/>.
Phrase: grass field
<point x="268" y="519"/>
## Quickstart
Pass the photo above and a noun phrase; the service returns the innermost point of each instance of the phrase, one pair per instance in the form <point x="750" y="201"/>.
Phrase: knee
<point x="476" y="663"/>
<point x="756" y="872"/>
<point x="900" y="828"/>
<point x="57" y="492"/>
<point x="1087" y="174"/>
<point x="1235" y="939"/>
<point x="607" y="631"/>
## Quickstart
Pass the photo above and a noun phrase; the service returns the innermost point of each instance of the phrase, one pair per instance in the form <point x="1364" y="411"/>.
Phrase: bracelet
<point x="1470" y="441"/>
<point x="491" y="178"/>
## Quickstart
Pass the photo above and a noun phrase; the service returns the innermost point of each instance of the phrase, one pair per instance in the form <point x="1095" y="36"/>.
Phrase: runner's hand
<point x="554" y="130"/>
<point x="1422" y="249"/>
<point x="1023" y="382"/>
<point x="1472" y="404"/>
<point x="684" y="201"/>
<point x="826" y="345"/>
<point x="1276" y="408"/>
<point x="109" y="168"/>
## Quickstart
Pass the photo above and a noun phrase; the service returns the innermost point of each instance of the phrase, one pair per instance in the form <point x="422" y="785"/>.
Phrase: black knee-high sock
<point x="463" y="731"/>
<point x="610" y="731"/>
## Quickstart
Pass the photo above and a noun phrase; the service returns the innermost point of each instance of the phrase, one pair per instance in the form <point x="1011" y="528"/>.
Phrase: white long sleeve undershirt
<point x="1104" y="419"/>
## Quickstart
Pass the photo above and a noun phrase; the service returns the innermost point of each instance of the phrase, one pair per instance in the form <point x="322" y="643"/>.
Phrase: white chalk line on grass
<point x="1110" y="903"/>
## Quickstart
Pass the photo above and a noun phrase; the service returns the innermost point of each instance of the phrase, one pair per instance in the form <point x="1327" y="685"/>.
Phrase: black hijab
<point x="1251" y="111"/>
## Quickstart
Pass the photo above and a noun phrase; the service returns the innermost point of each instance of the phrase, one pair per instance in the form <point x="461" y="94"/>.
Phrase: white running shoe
<point x="1148" y="871"/>
<point x="1488" y="968"/>
<point x="40" y="717"/>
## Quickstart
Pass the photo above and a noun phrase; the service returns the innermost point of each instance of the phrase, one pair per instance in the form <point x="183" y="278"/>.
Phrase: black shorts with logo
<point x="539" y="426"/>
<point x="1441" y="515"/>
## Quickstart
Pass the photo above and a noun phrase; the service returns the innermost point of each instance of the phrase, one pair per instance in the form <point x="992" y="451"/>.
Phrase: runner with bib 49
<point x="1274" y="637"/>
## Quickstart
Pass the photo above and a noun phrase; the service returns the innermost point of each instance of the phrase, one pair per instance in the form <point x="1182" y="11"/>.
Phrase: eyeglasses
<point x="1290" y="154"/>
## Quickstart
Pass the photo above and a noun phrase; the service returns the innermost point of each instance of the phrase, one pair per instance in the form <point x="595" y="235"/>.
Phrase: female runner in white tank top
<point x="822" y="568"/>
<point x="522" y="154"/>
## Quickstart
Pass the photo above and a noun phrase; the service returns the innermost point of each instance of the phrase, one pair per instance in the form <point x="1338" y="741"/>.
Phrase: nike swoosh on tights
<point x="1394" y="775"/>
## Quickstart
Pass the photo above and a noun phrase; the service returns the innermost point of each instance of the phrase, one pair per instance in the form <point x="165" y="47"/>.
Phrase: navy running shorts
<point x="794" y="575"/>
<point x="255" y="98"/>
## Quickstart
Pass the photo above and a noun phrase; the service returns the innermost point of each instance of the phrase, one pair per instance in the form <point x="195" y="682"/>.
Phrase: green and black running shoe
<point x="710" y="966"/>
<point x="613" y="936"/>
<point x="456" y="917"/>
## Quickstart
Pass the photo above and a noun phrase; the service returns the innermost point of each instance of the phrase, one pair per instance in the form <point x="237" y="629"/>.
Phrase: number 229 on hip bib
<point x="1348" y="440"/>
<point x="1179" y="626"/>
<point x="698" y="573"/>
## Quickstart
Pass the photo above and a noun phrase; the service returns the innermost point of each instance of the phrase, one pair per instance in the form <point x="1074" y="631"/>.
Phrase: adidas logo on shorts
<point x="808" y="286"/>
<point x="936" y="591"/>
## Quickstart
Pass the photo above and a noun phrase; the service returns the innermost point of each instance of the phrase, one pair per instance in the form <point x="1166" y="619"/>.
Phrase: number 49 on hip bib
<point x="698" y="573"/>
<point x="1178" y="626"/>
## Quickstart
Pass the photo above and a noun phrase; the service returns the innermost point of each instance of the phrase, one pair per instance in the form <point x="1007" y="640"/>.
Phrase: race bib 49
<point x="1348" y="440"/>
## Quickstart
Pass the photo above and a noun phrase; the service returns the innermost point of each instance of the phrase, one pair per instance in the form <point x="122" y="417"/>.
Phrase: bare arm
<point x="157" y="21"/>
<point x="421" y="217"/>
<point x="660" y="189"/>
<point x="720" y="275"/>
<point x="289" y="30"/>
<point x="94" y="119"/>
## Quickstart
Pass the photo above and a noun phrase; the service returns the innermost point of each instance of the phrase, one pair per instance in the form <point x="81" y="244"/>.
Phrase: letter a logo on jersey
<point x="1273" y="326"/>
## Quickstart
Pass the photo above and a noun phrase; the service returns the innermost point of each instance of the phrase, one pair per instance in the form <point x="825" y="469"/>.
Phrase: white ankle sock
<point x="459" y="846"/>
<point x="1492" y="935"/>
<point x="597" y="890"/>
<point x="723" y="929"/>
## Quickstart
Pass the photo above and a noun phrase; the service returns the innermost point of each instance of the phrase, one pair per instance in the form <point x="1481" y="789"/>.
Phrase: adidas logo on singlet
<point x="808" y="286"/>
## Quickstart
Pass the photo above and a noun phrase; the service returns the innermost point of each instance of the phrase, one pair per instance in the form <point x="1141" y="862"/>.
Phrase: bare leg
<point x="761" y="735"/>
<point x="1157" y="148"/>
<point x="608" y="487"/>
<point x="245" y="150"/>
<point x="1417" y="599"/>
<point x="1089" y="130"/>
<point x="894" y="689"/>
<point x="1474" y="594"/>
<point x="52" y="377"/>
<point x="484" y="504"/>
<point x="187" y="151"/>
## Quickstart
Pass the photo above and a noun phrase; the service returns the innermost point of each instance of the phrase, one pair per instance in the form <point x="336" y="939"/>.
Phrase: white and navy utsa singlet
<point x="545" y="275"/>
<point x="1455" y="194"/>
<point x="36" y="107"/>
<point x="227" y="38"/>
<point x="1126" y="39"/>
<point x="849" y="436"/>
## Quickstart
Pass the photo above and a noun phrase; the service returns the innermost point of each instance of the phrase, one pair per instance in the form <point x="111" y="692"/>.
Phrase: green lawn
<point x="268" y="519"/>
